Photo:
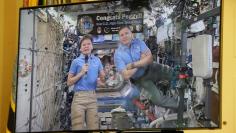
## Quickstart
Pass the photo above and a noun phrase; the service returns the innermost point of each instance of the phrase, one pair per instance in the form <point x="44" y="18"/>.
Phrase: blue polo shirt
<point x="89" y="80"/>
<point x="125" y="55"/>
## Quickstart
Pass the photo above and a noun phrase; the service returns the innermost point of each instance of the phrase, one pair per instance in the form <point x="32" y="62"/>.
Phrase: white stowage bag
<point x="200" y="90"/>
<point x="202" y="56"/>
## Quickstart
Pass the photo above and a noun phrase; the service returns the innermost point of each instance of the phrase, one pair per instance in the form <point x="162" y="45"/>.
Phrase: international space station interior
<point x="183" y="37"/>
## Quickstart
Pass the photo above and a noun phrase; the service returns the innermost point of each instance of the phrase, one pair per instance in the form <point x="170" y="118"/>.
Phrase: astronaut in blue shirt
<point x="83" y="74"/>
<point x="133" y="59"/>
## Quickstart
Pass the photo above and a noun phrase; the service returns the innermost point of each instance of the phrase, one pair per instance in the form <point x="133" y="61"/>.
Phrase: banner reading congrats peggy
<point x="109" y="23"/>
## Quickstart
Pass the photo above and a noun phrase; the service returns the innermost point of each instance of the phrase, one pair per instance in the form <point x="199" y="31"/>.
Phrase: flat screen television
<point x="156" y="66"/>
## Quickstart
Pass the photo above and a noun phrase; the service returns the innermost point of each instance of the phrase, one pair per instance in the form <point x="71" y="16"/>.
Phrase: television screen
<point x="119" y="65"/>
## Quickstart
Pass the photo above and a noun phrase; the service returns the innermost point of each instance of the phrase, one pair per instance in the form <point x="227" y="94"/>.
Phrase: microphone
<point x="86" y="60"/>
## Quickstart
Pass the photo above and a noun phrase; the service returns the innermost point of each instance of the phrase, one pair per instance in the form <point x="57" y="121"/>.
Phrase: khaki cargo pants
<point x="84" y="111"/>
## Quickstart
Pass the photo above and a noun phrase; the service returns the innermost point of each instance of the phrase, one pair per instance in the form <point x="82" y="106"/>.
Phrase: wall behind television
<point x="8" y="50"/>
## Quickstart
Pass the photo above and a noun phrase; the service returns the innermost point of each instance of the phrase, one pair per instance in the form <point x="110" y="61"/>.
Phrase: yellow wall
<point x="8" y="43"/>
<point x="8" y="46"/>
<point x="1" y="60"/>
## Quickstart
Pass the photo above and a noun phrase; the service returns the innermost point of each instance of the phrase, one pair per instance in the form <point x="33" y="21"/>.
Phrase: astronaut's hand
<point x="100" y="83"/>
<point x="130" y="66"/>
<point x="84" y="69"/>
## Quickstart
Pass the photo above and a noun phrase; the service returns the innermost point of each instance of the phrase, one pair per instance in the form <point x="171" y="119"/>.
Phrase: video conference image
<point x="119" y="65"/>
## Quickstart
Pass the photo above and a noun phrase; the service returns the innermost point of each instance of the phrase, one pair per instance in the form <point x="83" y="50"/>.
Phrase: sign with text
<point x="109" y="23"/>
